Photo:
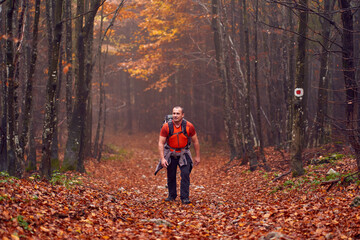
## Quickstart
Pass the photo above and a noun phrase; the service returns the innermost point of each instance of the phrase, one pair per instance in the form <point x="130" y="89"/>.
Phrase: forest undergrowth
<point x="120" y="198"/>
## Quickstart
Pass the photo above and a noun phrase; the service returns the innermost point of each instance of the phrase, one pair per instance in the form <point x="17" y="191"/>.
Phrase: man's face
<point x="177" y="114"/>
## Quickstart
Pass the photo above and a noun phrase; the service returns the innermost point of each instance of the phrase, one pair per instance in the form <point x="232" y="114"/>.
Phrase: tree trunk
<point x="55" y="163"/>
<point x="28" y="99"/>
<point x="222" y="71"/>
<point x="4" y="100"/>
<point x="69" y="62"/>
<point x="300" y="109"/>
<point x="104" y="128"/>
<point x="100" y="71"/>
<point x="74" y="154"/>
<point x="290" y="86"/>
<point x="13" y="167"/>
<point x="102" y="106"/>
<point x="351" y="85"/>
<point x="88" y="77"/>
<point x="129" y="105"/>
<point x="31" y="159"/>
<point x="258" y="104"/>
<point x="249" y="142"/>
<point x="320" y="128"/>
<point x="54" y="14"/>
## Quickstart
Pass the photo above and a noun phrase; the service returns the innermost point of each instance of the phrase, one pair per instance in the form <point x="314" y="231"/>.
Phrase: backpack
<point x="168" y="120"/>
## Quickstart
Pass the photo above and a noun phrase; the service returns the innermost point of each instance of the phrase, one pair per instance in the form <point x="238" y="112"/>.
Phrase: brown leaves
<point x="120" y="198"/>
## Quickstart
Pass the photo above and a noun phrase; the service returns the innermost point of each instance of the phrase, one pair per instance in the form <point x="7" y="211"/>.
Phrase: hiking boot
<point x="169" y="199"/>
<point x="185" y="201"/>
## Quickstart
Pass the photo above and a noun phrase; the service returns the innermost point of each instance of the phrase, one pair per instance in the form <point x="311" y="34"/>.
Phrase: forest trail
<point x="120" y="198"/>
<point x="228" y="202"/>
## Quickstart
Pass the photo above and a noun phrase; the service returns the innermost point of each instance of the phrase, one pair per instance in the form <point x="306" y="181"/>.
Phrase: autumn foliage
<point x="120" y="198"/>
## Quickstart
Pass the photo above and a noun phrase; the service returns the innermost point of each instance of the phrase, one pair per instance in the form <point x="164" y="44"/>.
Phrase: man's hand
<point x="195" y="140"/>
<point x="164" y="163"/>
<point x="196" y="160"/>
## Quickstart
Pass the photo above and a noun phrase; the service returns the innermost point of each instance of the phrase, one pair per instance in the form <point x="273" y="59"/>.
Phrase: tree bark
<point x="28" y="99"/>
<point x="69" y="61"/>
<point x="291" y="81"/>
<point x="222" y="71"/>
<point x="88" y="77"/>
<point x="74" y="154"/>
<point x="104" y="128"/>
<point x="129" y="119"/>
<point x="100" y="70"/>
<point x="322" y="109"/>
<point x="54" y="14"/>
<point x="258" y="104"/>
<point x="249" y="142"/>
<point x="300" y="109"/>
<point x="55" y="163"/>
<point x="31" y="159"/>
<point x="351" y="85"/>
<point x="13" y="167"/>
<point x="4" y="99"/>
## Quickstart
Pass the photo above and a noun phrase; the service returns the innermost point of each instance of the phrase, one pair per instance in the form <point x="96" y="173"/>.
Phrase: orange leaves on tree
<point x="161" y="40"/>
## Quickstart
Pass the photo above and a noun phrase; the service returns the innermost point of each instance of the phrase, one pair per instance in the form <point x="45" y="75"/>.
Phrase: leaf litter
<point x="120" y="198"/>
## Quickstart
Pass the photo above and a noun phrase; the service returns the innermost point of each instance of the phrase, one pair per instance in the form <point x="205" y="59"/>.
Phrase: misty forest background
<point x="74" y="72"/>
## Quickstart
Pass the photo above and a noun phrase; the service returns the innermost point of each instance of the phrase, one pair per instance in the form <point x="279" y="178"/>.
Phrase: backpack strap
<point x="183" y="127"/>
<point x="171" y="128"/>
<point x="183" y="130"/>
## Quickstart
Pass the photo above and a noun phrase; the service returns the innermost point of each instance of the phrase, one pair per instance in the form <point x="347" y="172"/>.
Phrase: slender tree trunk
<point x="249" y="142"/>
<point x="11" y="94"/>
<point x="31" y="159"/>
<point x="291" y="64"/>
<point x="320" y="128"/>
<point x="103" y="130"/>
<point x="100" y="70"/>
<point x="101" y="110"/>
<point x="88" y="76"/>
<point x="258" y="104"/>
<point x="351" y="85"/>
<point x="55" y="163"/>
<point x="129" y="105"/>
<point x="222" y="71"/>
<point x="69" y="66"/>
<point x="74" y="154"/>
<point x="21" y="26"/>
<point x="28" y="99"/>
<point x="4" y="98"/>
<point x="54" y="14"/>
<point x="73" y="141"/>
<point x="300" y="109"/>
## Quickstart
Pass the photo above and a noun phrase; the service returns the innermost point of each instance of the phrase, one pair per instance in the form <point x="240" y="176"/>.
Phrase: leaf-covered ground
<point x="120" y="198"/>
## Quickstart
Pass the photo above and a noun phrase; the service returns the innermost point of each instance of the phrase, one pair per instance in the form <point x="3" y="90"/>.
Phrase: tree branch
<point x="282" y="175"/>
<point x="112" y="20"/>
<point x="83" y="14"/>
<point x="108" y="27"/>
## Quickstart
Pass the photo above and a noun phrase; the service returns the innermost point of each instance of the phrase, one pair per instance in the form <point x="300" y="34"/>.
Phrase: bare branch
<point x="83" y="14"/>
<point x="108" y="27"/>
<point x="112" y="20"/>
<point x="296" y="33"/>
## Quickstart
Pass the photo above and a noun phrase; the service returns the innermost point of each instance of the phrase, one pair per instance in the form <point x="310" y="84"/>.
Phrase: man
<point x="174" y="150"/>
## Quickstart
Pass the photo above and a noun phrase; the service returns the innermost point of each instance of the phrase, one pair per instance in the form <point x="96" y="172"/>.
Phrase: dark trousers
<point x="185" y="178"/>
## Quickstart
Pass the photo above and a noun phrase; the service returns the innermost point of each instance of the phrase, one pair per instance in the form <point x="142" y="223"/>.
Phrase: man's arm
<point x="162" y="141"/>
<point x="196" y="143"/>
